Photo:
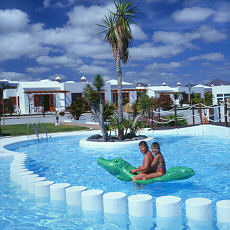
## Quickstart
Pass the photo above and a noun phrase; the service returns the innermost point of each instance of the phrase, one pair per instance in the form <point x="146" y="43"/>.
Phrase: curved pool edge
<point x="200" y="130"/>
<point x="5" y="141"/>
<point x="164" y="203"/>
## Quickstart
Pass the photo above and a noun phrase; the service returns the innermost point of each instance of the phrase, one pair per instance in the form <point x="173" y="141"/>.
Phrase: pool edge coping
<point x="201" y="130"/>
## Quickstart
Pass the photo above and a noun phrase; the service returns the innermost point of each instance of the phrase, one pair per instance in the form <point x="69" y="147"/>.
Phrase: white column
<point x="168" y="206"/>
<point x="73" y="195"/>
<point x="140" y="205"/>
<point x="24" y="181"/>
<point x="19" y="156"/>
<point x="58" y="191"/>
<point x="199" y="209"/>
<point x="31" y="184"/>
<point x="15" y="163"/>
<point x="223" y="211"/>
<point x="18" y="176"/>
<point x="42" y="189"/>
<point x="92" y="200"/>
<point x="13" y="173"/>
<point x="115" y="203"/>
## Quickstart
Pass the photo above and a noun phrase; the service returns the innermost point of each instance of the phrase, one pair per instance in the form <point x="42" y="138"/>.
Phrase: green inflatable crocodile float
<point x="121" y="169"/>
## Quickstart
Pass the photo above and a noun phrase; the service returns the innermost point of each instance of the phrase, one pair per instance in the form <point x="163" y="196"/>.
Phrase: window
<point x="13" y="100"/>
<point x="186" y="98"/>
<point x="125" y="97"/>
<point x="103" y="96"/>
<point x="226" y="95"/>
<point x="38" y="100"/>
<point x="219" y="100"/>
<point x="52" y="101"/>
<point x="76" y="97"/>
<point x="115" y="98"/>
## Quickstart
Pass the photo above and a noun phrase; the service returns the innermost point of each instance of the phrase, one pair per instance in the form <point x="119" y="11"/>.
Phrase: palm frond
<point x="116" y="27"/>
<point x="98" y="82"/>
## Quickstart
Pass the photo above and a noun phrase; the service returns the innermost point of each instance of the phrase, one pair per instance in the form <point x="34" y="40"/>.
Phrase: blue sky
<point x="174" y="41"/>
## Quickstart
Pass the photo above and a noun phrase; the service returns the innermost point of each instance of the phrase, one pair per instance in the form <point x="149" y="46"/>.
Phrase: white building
<point x="34" y="97"/>
<point x="220" y="93"/>
<point x="156" y="91"/>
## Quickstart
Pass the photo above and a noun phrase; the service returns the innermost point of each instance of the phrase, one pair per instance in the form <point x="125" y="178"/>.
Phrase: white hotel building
<point x="30" y="97"/>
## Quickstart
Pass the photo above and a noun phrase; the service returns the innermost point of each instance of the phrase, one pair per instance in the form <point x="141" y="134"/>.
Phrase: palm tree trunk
<point x="119" y="94"/>
<point x="102" y="122"/>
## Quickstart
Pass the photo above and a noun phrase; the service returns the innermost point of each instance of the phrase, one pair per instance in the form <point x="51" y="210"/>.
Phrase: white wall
<point x="7" y="93"/>
<point x="22" y="99"/>
<point x="108" y="93"/>
<point x="223" y="89"/>
<point x="45" y="85"/>
<point x="73" y="87"/>
<point x="132" y="96"/>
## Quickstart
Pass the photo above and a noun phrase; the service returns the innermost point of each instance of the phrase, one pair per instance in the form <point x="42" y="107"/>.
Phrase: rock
<point x="99" y="138"/>
<point x="94" y="137"/>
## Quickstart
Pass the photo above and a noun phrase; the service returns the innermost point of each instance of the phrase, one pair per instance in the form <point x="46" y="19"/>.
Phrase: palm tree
<point x="99" y="84"/>
<point x="144" y="105"/>
<point x="93" y="95"/>
<point x="175" y="97"/>
<point x="118" y="33"/>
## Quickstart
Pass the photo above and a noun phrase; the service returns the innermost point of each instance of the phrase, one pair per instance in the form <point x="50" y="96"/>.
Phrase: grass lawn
<point x="17" y="130"/>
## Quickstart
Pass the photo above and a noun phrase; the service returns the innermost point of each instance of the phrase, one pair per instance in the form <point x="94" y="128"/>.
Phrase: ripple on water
<point x="62" y="160"/>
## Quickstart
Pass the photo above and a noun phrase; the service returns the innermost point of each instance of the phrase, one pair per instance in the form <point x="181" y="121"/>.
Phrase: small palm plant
<point x="94" y="96"/>
<point x="175" y="97"/>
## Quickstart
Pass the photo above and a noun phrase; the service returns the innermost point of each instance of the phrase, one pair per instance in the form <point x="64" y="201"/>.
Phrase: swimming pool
<point x="62" y="160"/>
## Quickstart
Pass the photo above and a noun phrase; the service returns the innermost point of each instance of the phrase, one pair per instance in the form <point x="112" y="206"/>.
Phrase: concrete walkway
<point x="78" y="124"/>
<point x="13" y="120"/>
<point x="65" y="120"/>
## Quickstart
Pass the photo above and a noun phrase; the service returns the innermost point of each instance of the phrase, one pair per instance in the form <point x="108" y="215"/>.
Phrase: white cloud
<point x="46" y="3"/>
<point x="222" y="16"/>
<point x="208" y="57"/>
<point x="59" y="4"/>
<point x="87" y="16"/>
<point x="173" y="38"/>
<point x="37" y="70"/>
<point x="58" y="60"/>
<point x="184" y="40"/>
<point x="131" y="74"/>
<point x="158" y="1"/>
<point x="66" y="3"/>
<point x="14" y="76"/>
<point x="13" y="20"/>
<point x="25" y="45"/>
<point x="167" y="74"/>
<point x="163" y="66"/>
<point x="148" y="50"/>
<point x="193" y="14"/>
<point x="138" y="33"/>
<point x="93" y="69"/>
<point x="209" y="34"/>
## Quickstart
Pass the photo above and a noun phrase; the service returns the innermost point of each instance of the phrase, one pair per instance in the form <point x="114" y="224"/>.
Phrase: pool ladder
<point x="35" y="127"/>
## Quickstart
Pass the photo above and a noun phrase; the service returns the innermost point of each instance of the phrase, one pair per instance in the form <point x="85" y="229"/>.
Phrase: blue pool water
<point x="62" y="160"/>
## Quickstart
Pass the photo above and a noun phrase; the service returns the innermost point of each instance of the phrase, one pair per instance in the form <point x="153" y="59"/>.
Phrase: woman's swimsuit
<point x="161" y="166"/>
